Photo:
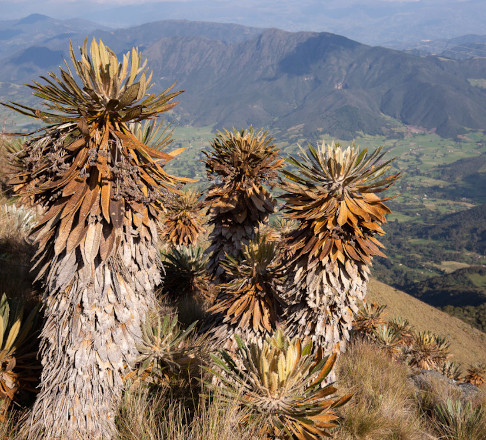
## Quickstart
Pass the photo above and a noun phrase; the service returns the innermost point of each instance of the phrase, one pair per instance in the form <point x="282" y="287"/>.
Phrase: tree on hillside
<point x="331" y="193"/>
<point x="101" y="188"/>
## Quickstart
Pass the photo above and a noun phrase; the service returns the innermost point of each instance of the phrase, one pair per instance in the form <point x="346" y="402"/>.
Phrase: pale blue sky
<point x="368" y="21"/>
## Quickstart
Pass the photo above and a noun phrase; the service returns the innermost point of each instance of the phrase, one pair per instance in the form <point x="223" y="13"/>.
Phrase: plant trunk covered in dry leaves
<point x="97" y="258"/>
<point x="332" y="195"/>
<point x="239" y="163"/>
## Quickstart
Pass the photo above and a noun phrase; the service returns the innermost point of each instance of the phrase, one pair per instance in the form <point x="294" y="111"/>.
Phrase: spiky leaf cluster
<point x="403" y="329"/>
<point x="17" y="355"/>
<point x="165" y="349"/>
<point x="476" y="374"/>
<point x="239" y="163"/>
<point x="89" y="170"/>
<point x="458" y="420"/>
<point x="368" y="319"/>
<point x="249" y="304"/>
<point x="185" y="271"/>
<point x="429" y="351"/>
<point x="388" y="340"/>
<point x="110" y="90"/>
<point x="451" y="370"/>
<point x="184" y="218"/>
<point x="280" y="384"/>
<point x="332" y="193"/>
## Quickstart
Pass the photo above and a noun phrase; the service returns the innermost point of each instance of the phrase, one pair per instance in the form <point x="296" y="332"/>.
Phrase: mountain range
<point x="236" y="76"/>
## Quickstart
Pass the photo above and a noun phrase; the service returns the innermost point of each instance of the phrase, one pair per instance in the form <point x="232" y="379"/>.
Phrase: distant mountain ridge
<point x="326" y="82"/>
<point x="38" y="30"/>
<point x="464" y="229"/>
<point x="318" y="82"/>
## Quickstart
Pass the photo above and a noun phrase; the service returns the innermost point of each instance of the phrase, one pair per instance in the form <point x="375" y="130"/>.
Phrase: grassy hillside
<point x="468" y="344"/>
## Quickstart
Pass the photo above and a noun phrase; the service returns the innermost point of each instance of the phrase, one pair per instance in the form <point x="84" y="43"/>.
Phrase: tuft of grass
<point x="145" y="415"/>
<point x="15" y="250"/>
<point x="383" y="405"/>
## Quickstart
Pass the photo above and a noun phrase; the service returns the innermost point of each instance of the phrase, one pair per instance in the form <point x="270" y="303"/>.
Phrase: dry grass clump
<point x="15" y="250"/>
<point x="15" y="225"/>
<point x="7" y="147"/>
<point x="383" y="404"/>
<point x="10" y="427"/>
<point x="155" y="416"/>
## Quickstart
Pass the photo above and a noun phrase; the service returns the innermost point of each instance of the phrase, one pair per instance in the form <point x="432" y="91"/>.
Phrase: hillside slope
<point x="467" y="344"/>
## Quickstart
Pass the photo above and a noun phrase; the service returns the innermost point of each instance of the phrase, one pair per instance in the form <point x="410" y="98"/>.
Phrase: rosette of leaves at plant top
<point x="332" y="193"/>
<point x="476" y="374"/>
<point x="280" y="385"/>
<point x="368" y="319"/>
<point x="166" y="350"/>
<point x="239" y="163"/>
<point x="249" y="304"/>
<point x="388" y="340"/>
<point x="185" y="272"/>
<point x="108" y="90"/>
<point x="403" y="329"/>
<point x="184" y="218"/>
<point x="451" y="370"/>
<point x="18" y="369"/>
<point x="88" y="160"/>
<point x="428" y="351"/>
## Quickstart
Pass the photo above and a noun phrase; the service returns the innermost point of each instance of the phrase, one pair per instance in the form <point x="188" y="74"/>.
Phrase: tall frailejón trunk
<point x="94" y="308"/>
<point x="97" y="259"/>
<point x="332" y="195"/>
